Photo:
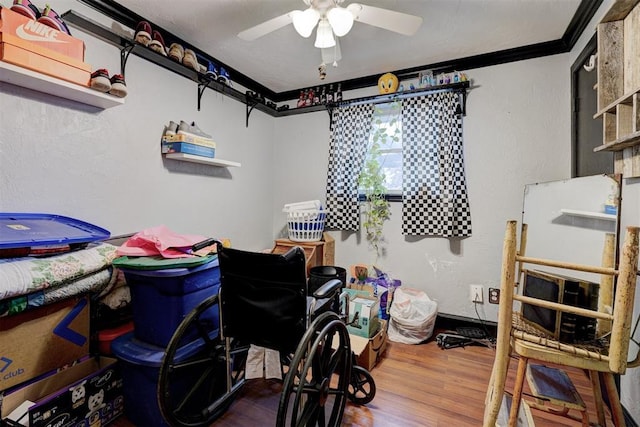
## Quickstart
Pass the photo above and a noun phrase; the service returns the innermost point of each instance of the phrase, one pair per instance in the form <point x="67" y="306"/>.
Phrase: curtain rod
<point x="377" y="99"/>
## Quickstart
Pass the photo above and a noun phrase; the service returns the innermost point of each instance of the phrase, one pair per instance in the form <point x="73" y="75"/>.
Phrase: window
<point x="385" y="146"/>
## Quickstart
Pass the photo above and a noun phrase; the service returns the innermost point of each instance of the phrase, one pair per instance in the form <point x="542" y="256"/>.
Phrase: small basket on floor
<point x="306" y="225"/>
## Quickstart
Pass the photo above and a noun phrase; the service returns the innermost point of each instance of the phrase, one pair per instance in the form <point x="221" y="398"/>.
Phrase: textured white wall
<point x="105" y="167"/>
<point x="517" y="131"/>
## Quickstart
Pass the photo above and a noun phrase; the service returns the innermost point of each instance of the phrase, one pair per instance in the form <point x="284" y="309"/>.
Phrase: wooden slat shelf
<point x="620" y="143"/>
<point x="626" y="99"/>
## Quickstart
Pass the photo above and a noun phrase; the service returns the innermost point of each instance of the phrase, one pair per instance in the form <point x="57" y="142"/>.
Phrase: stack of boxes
<point x="161" y="298"/>
<point x="35" y="46"/>
<point x="189" y="144"/>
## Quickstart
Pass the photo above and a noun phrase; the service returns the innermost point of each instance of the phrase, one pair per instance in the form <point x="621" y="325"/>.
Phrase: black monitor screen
<point x="543" y="288"/>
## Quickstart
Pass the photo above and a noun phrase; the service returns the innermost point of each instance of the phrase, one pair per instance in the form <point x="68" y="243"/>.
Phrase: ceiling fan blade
<point x="266" y="27"/>
<point x="387" y="19"/>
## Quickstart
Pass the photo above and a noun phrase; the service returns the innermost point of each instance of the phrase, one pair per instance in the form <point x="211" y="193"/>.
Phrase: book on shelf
<point x="187" y="148"/>
<point x="196" y="140"/>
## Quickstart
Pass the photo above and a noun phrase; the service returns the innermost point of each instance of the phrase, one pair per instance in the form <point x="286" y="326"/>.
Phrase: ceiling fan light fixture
<point x="341" y="20"/>
<point x="305" y="21"/>
<point x="324" y="35"/>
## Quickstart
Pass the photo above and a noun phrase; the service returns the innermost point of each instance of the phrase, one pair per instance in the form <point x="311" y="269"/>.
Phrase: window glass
<point x="385" y="144"/>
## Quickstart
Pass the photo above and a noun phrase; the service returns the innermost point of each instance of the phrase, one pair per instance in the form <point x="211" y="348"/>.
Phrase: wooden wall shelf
<point x="202" y="160"/>
<point x="23" y="77"/>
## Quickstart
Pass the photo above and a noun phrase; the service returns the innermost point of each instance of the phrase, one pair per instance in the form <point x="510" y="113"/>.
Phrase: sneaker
<point x="189" y="59"/>
<point x="171" y="129"/>
<point x="176" y="52"/>
<point x="100" y="80"/>
<point x="192" y="130"/>
<point x="224" y="77"/>
<point x="143" y="33"/>
<point x="51" y="19"/>
<point x="157" y="43"/>
<point x="118" y="86"/>
<point x="212" y="71"/>
<point x="26" y="8"/>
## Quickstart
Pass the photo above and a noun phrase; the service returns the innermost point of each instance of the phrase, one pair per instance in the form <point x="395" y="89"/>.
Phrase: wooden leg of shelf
<point x="517" y="391"/>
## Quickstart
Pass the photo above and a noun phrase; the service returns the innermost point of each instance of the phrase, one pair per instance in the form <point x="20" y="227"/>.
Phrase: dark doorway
<point x="586" y="131"/>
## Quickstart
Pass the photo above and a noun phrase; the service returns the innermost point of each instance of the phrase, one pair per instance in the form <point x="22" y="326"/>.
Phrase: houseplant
<point x="371" y="181"/>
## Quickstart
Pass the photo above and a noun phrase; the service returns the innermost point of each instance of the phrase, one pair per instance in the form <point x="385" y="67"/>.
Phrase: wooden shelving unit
<point x="202" y="160"/>
<point x="618" y="85"/>
<point x="33" y="80"/>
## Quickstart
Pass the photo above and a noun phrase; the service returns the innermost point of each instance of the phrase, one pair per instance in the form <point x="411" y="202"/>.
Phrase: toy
<point x="387" y="83"/>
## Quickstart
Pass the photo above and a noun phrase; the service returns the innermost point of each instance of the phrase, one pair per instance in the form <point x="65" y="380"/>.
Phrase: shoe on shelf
<point x="143" y="33"/>
<point x="190" y="59"/>
<point x="176" y="52"/>
<point x="224" y="77"/>
<point x="157" y="43"/>
<point x="171" y="129"/>
<point x="50" y="18"/>
<point x="26" y="8"/>
<point x="100" y="80"/>
<point x="192" y="130"/>
<point x="118" y="86"/>
<point x="211" y="71"/>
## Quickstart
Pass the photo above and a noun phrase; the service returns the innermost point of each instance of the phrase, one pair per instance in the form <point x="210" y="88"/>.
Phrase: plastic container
<point x="107" y="336"/>
<point x="160" y="299"/>
<point x="306" y="225"/>
<point x="140" y="366"/>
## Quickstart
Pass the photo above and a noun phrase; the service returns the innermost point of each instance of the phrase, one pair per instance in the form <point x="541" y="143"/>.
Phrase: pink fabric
<point x="159" y="241"/>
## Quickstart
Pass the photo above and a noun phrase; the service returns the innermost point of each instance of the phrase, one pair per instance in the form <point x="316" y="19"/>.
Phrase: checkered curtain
<point x="434" y="194"/>
<point x="349" y="134"/>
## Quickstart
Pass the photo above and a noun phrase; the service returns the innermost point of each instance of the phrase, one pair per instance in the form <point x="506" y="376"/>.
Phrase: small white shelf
<point x="24" y="77"/>
<point x="204" y="160"/>
<point x="588" y="214"/>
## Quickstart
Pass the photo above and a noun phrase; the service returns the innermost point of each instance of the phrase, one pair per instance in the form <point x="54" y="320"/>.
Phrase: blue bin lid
<point x="132" y="350"/>
<point x="19" y="230"/>
<point x="171" y="272"/>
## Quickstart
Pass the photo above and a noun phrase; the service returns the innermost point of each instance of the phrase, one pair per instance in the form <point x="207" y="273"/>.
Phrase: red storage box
<point x="106" y="337"/>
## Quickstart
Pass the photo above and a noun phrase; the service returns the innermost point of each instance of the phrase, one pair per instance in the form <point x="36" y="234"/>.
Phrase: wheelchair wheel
<point x="192" y="383"/>
<point x="362" y="387"/>
<point x="315" y="388"/>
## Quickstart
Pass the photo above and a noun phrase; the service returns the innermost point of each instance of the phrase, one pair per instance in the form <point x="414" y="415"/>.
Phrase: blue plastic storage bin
<point x="140" y="366"/>
<point x="160" y="299"/>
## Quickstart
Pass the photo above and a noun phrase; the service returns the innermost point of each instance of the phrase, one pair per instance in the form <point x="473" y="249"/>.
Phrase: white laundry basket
<point x="306" y="225"/>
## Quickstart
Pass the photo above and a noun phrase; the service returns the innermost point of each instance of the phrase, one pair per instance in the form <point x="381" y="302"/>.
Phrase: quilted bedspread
<point x="38" y="281"/>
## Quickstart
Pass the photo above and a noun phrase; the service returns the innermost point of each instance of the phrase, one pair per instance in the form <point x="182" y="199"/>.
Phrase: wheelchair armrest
<point x="328" y="290"/>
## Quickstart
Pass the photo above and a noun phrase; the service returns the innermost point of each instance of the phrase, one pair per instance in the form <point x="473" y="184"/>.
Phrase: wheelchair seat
<point x="263" y="300"/>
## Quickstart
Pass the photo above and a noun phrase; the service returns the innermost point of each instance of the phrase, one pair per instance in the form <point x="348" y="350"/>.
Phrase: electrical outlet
<point x="476" y="293"/>
<point x="494" y="296"/>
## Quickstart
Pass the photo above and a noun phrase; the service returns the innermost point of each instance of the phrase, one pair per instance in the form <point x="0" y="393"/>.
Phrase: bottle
<point x="309" y="100"/>
<point x="339" y="93"/>
<point x="330" y="95"/>
<point x="316" y="96"/>
<point x="300" y="99"/>
<point x="323" y="97"/>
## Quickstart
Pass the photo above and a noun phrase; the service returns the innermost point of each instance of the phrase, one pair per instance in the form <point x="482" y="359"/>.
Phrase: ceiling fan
<point x="333" y="19"/>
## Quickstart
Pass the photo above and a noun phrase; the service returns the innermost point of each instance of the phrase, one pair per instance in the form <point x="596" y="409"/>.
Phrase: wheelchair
<point x="263" y="300"/>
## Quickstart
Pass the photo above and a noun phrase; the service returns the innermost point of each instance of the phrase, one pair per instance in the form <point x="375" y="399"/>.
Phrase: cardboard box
<point x="37" y="341"/>
<point x="363" y="316"/>
<point x="29" y="55"/>
<point x="190" y="139"/>
<point x="40" y="35"/>
<point x="369" y="351"/>
<point x="188" y="148"/>
<point x="89" y="393"/>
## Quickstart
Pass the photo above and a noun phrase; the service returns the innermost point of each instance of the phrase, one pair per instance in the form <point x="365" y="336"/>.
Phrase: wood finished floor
<point x="417" y="385"/>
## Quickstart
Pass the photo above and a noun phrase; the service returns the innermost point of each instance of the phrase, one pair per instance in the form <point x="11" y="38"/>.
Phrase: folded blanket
<point x="22" y="276"/>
